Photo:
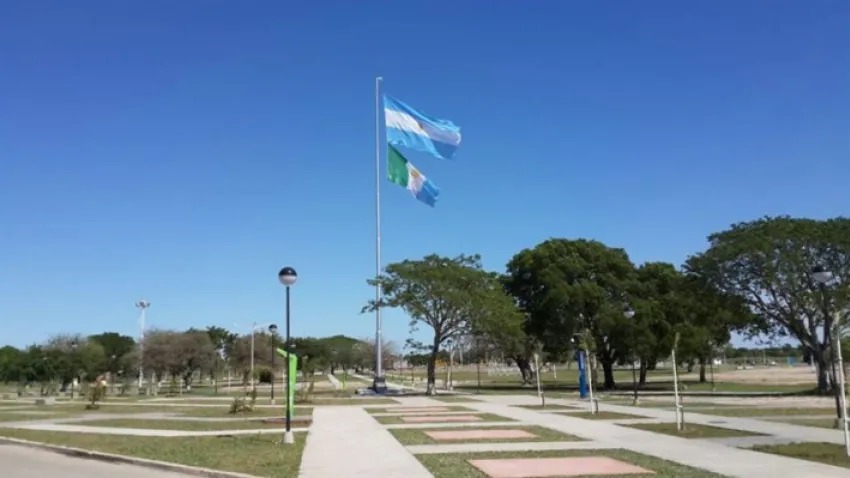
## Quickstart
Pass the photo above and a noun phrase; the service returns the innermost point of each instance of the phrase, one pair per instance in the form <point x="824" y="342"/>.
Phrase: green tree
<point x="450" y="295"/>
<point x="566" y="286"/>
<point x="75" y="357"/>
<point x="116" y="348"/>
<point x="768" y="263"/>
<point x="12" y="364"/>
<point x="342" y="350"/>
<point x="220" y="338"/>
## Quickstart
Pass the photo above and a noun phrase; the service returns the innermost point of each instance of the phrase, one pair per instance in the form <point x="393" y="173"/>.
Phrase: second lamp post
<point x="273" y="332"/>
<point x="628" y="313"/>
<point x="288" y="277"/>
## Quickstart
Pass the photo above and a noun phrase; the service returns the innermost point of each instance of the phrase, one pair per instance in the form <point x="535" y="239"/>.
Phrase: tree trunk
<point x="823" y="369"/>
<point x="432" y="367"/>
<point x="702" y="370"/>
<point x="524" y="369"/>
<point x="690" y="366"/>
<point x="608" y="372"/>
<point x="643" y="368"/>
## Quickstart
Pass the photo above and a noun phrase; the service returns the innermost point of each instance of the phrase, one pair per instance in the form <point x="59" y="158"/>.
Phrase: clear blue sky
<point x="184" y="151"/>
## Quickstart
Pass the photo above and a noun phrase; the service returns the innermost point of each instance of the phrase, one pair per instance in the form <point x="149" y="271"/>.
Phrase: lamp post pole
<point x="73" y="367"/>
<point x="143" y="305"/>
<point x="628" y="313"/>
<point x="273" y="332"/>
<point x="288" y="277"/>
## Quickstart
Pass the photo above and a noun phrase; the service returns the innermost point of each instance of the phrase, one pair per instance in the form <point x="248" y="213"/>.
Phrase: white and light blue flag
<point x="413" y="129"/>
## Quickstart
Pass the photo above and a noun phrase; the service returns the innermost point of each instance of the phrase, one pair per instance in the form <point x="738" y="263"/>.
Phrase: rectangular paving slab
<point x="555" y="467"/>
<point x="417" y="409"/>
<point x="489" y="434"/>
<point x="440" y="418"/>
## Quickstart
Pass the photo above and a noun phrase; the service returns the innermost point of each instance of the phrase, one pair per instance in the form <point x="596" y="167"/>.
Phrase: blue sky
<point x="185" y="151"/>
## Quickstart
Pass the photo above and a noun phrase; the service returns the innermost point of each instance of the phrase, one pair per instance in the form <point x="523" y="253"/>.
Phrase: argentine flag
<point x="413" y="129"/>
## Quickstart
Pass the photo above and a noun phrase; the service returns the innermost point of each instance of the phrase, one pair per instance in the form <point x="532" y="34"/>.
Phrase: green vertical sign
<point x="293" y="372"/>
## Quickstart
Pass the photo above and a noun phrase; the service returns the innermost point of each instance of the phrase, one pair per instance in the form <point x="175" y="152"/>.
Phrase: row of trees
<point x="755" y="278"/>
<point x="214" y="353"/>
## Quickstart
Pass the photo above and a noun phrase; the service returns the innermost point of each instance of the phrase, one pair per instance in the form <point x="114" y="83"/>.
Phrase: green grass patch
<point x="810" y="422"/>
<point x="260" y="455"/>
<point x="693" y="430"/>
<point x="218" y="411"/>
<point x="547" y="407"/>
<point x="602" y="415"/>
<point x="448" y="408"/>
<point x="829" y="453"/>
<point x="763" y="411"/>
<point x="417" y="436"/>
<point x="20" y="417"/>
<point x="186" y="425"/>
<point x="483" y="417"/>
<point x="456" y="465"/>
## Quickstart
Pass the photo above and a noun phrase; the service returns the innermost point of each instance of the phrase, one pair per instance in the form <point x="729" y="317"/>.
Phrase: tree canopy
<point x="452" y="296"/>
<point x="768" y="263"/>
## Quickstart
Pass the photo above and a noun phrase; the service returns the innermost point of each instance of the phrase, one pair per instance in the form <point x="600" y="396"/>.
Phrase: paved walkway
<point x="347" y="442"/>
<point x="704" y="454"/>
<point x="23" y="462"/>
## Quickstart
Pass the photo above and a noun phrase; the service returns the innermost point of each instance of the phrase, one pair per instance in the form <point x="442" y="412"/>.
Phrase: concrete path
<point x="410" y="402"/>
<point x="347" y="442"/>
<point x="511" y="446"/>
<point x="24" y="462"/>
<point x="710" y="456"/>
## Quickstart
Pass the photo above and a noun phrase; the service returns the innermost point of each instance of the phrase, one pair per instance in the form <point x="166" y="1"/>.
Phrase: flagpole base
<point x="288" y="438"/>
<point x="379" y="385"/>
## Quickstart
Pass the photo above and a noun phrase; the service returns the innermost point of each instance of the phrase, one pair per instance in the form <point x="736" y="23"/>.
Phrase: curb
<point x="122" y="459"/>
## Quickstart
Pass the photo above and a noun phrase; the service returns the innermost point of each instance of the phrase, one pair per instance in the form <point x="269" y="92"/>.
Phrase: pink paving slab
<point x="440" y="418"/>
<point x="479" y="434"/>
<point x="560" y="467"/>
<point x="417" y="409"/>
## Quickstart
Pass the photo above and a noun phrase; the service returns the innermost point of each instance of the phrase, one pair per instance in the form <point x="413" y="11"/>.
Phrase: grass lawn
<point x="220" y="411"/>
<point x="417" y="436"/>
<point x="188" y="425"/>
<point x="484" y="417"/>
<point x="829" y="453"/>
<point x="547" y="407"/>
<point x="693" y="430"/>
<point x="810" y="422"/>
<point x="764" y="411"/>
<point x="454" y="398"/>
<point x="20" y="417"/>
<point x="449" y="408"/>
<point x="260" y="455"/>
<point x="456" y="465"/>
<point x="602" y="415"/>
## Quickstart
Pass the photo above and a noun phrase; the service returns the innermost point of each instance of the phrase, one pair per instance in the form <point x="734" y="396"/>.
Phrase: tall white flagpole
<point x="378" y="382"/>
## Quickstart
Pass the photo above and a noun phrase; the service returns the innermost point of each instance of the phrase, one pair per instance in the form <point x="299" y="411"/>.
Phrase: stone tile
<point x="555" y="467"/>
<point x="492" y="434"/>
<point x="440" y="418"/>
<point x="417" y="409"/>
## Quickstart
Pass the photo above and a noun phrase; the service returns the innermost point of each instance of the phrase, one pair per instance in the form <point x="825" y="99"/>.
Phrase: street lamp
<point x="288" y="277"/>
<point x="73" y="367"/>
<point x="628" y="313"/>
<point x="143" y="305"/>
<point x="273" y="332"/>
<point x="824" y="277"/>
